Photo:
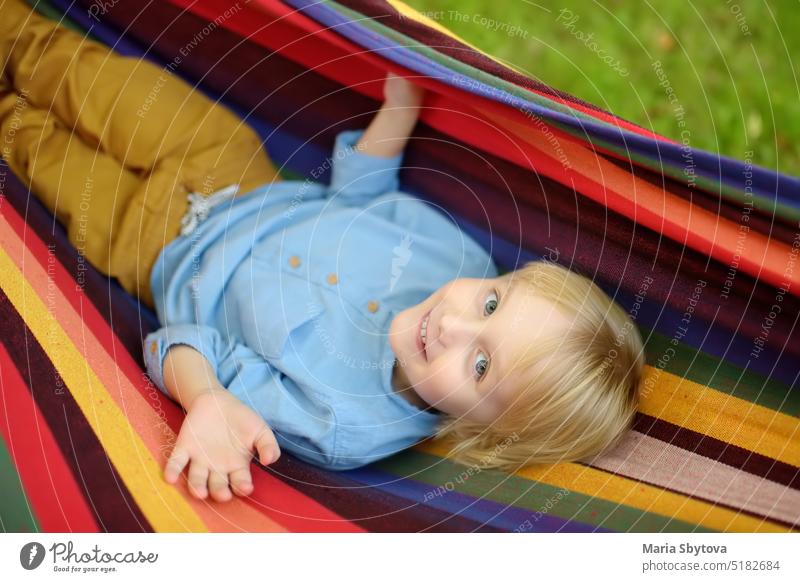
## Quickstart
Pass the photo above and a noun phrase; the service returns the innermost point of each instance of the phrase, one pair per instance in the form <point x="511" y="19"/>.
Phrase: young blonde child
<point x="342" y="323"/>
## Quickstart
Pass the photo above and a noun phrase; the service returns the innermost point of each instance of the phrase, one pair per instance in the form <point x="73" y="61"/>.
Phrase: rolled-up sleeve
<point x="357" y="177"/>
<point x="202" y="338"/>
<point x="302" y="425"/>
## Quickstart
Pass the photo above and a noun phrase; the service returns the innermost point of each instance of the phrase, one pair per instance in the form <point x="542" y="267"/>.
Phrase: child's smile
<point x="454" y="347"/>
<point x="423" y="324"/>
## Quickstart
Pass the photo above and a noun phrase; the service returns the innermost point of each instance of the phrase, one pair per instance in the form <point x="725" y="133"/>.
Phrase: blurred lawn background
<point x="731" y="64"/>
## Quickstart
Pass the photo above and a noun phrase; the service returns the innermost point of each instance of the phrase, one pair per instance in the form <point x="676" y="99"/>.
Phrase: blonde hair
<point x="582" y="391"/>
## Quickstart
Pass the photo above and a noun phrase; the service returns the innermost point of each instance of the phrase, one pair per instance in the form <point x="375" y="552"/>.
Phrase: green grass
<point x="738" y="87"/>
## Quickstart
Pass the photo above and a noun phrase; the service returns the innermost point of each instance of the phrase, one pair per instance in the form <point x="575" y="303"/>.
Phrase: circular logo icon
<point x="31" y="555"/>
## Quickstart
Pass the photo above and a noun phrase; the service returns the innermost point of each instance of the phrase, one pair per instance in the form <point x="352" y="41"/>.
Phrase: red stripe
<point x="57" y="499"/>
<point x="443" y="43"/>
<point x="302" y="40"/>
<point x="332" y="56"/>
<point x="272" y="497"/>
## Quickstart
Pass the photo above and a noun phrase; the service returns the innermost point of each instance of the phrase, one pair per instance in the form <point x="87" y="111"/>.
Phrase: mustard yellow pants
<point x="112" y="145"/>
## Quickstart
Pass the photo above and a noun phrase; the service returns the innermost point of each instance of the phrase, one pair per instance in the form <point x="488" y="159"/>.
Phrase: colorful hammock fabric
<point x="661" y="227"/>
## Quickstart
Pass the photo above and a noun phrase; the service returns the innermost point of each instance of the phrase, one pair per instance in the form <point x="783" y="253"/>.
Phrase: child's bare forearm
<point x="389" y="131"/>
<point x="187" y="374"/>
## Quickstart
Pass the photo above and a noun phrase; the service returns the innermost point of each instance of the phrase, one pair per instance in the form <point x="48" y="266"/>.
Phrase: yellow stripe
<point x="161" y="503"/>
<point x="698" y="408"/>
<point x="407" y="11"/>
<point x="595" y="483"/>
<point x="719" y="415"/>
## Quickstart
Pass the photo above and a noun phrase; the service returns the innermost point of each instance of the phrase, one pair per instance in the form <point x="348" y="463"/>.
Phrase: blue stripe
<point x="766" y="184"/>
<point x="301" y="156"/>
<point x="482" y="511"/>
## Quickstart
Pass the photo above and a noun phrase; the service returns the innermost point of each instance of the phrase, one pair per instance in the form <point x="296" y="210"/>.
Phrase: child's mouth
<point x="422" y="336"/>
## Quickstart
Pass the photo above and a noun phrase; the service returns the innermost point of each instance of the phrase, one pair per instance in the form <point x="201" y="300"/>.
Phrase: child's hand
<point x="399" y="92"/>
<point x="217" y="437"/>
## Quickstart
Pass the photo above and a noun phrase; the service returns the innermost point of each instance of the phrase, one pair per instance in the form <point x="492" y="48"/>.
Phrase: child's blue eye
<point x="489" y="307"/>
<point x="481" y="363"/>
<point x="491" y="304"/>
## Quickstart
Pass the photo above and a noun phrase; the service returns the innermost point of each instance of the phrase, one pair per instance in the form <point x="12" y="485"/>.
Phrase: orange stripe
<point x="153" y="430"/>
<point x="664" y="212"/>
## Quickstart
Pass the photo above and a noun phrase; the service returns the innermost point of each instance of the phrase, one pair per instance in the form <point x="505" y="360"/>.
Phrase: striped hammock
<point x="657" y="224"/>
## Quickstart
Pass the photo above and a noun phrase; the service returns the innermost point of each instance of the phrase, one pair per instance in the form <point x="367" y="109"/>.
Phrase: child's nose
<point x="454" y="328"/>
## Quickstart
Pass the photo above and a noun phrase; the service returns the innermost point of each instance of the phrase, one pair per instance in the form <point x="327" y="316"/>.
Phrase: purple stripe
<point x="766" y="184"/>
<point x="373" y="508"/>
<point x="483" y="512"/>
<point x="98" y="30"/>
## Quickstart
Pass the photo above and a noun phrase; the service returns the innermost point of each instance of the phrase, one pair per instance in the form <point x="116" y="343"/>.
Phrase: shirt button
<point x="332" y="279"/>
<point x="153" y="347"/>
<point x="294" y="261"/>
<point x="372" y="306"/>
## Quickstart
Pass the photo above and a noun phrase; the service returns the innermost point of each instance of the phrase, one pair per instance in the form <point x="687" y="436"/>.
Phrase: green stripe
<point x="288" y="175"/>
<point x="712" y="186"/>
<point x="698" y="366"/>
<point x="456" y="65"/>
<point x="523" y="493"/>
<point x="45" y="8"/>
<point x="15" y="512"/>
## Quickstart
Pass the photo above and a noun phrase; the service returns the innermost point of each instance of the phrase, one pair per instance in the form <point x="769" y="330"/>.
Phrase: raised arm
<point x="389" y="130"/>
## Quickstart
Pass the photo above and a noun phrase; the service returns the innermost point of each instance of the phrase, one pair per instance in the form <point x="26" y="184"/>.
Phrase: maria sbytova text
<point x="694" y="550"/>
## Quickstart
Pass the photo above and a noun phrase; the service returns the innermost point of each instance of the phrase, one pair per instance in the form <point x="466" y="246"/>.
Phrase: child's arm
<point x="219" y="433"/>
<point x="187" y="374"/>
<point x="391" y="127"/>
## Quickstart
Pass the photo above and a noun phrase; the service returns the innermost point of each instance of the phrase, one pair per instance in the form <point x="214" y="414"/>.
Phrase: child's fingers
<point x="241" y="481"/>
<point x="267" y="447"/>
<point x="175" y="464"/>
<point x="198" y="479"/>
<point x="218" y="486"/>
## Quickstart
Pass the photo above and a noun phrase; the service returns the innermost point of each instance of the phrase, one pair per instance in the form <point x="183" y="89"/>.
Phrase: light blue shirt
<point x="289" y="292"/>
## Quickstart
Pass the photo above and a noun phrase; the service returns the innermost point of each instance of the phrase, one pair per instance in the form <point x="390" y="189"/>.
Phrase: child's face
<point x="474" y="326"/>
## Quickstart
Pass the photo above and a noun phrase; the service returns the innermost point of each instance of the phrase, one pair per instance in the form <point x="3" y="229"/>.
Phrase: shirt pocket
<point x="279" y="311"/>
